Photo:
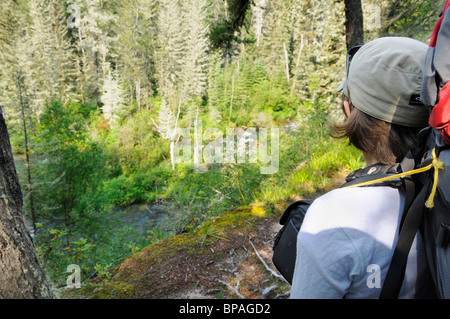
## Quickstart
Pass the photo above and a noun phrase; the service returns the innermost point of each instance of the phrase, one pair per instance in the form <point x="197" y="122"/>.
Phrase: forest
<point x="121" y="109"/>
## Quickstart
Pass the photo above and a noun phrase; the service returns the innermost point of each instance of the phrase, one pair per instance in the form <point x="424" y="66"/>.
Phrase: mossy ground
<point x="217" y="260"/>
<point x="200" y="264"/>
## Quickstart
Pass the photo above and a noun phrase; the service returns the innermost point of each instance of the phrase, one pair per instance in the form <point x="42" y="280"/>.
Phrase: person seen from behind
<point x="348" y="236"/>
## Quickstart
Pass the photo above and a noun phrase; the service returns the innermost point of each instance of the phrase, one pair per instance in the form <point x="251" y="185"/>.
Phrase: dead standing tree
<point x="354" y="26"/>
<point x="21" y="276"/>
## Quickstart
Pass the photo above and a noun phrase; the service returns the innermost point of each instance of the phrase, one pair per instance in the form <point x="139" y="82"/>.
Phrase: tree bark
<point x="21" y="276"/>
<point x="354" y="28"/>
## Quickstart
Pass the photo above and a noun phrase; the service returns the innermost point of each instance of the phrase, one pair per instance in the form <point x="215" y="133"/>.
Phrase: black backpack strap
<point x="394" y="278"/>
<point x="409" y="186"/>
<point x="293" y="207"/>
<point x="373" y="173"/>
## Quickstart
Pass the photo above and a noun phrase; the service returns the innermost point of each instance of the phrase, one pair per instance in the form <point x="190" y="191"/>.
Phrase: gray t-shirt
<point x="346" y="243"/>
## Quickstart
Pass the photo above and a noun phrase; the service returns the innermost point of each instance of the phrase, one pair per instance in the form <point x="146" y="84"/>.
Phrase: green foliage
<point x="139" y="187"/>
<point x="274" y="100"/>
<point x="136" y="146"/>
<point x="222" y="35"/>
<point x="410" y="18"/>
<point x="272" y="64"/>
<point x="70" y="167"/>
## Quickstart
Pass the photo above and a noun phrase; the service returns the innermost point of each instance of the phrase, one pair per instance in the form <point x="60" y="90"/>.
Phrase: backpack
<point x="424" y="174"/>
<point x="430" y="216"/>
<point x="436" y="96"/>
<point x="285" y="242"/>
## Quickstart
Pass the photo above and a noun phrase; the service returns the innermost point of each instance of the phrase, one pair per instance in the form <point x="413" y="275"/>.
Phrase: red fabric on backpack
<point x="437" y="27"/>
<point x="440" y="115"/>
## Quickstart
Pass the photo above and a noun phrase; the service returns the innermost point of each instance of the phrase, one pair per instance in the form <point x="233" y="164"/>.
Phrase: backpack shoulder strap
<point x="411" y="222"/>
<point x="373" y="173"/>
<point x="305" y="203"/>
<point x="411" y="216"/>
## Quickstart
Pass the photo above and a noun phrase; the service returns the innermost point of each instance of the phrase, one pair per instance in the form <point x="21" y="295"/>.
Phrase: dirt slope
<point x="228" y="257"/>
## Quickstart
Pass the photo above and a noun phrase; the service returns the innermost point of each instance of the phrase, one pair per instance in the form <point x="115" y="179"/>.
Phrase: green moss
<point x="104" y="289"/>
<point x="112" y="290"/>
<point x="240" y="217"/>
<point x="164" y="264"/>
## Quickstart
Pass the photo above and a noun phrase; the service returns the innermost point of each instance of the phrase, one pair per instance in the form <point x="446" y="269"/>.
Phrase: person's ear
<point x="347" y="109"/>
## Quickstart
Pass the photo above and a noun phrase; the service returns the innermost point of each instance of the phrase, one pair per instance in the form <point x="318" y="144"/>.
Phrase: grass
<point x="309" y="163"/>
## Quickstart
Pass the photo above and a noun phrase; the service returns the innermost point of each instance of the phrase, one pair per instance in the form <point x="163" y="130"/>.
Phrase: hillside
<point x="227" y="257"/>
<point x="223" y="259"/>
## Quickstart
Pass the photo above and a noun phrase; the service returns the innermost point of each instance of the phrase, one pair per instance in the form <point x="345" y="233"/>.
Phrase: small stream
<point x="159" y="215"/>
<point x="148" y="216"/>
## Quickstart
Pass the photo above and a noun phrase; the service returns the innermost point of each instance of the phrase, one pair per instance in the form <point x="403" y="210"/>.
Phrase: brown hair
<point x="387" y="142"/>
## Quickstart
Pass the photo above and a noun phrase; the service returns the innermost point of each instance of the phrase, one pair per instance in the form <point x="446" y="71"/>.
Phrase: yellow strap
<point x="436" y="164"/>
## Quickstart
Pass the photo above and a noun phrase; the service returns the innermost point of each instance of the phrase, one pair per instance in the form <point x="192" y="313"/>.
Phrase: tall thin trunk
<point x="232" y="96"/>
<point x="197" y="150"/>
<point x="138" y="93"/>
<point x="354" y="28"/>
<point x="27" y="156"/>
<point x="172" y="135"/>
<point x="286" y="61"/>
<point x="294" y="83"/>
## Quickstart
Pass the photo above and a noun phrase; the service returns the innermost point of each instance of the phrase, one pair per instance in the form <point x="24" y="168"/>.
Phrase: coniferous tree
<point x="135" y="47"/>
<point x="94" y="45"/>
<point x="112" y="97"/>
<point x="53" y="62"/>
<point x="21" y="275"/>
<point x="410" y="18"/>
<point x="17" y="95"/>
<point x="166" y="119"/>
<point x="258" y="13"/>
<point x="195" y="67"/>
<point x="169" y="52"/>
<point x="215" y="87"/>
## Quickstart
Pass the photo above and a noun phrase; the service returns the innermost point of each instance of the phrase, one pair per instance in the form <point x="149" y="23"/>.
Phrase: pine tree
<point x="165" y="119"/>
<point x="23" y="103"/>
<point x="113" y="104"/>
<point x="274" y="37"/>
<point x="328" y="49"/>
<point x="169" y="52"/>
<point x="215" y="87"/>
<point x="17" y="95"/>
<point x="168" y="126"/>
<point x="409" y="18"/>
<point x="53" y="61"/>
<point x="94" y="43"/>
<point x="136" y="34"/>
<point x="196" y="45"/>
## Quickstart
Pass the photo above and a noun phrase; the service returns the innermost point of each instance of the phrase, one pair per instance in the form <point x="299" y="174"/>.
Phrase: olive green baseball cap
<point x="384" y="80"/>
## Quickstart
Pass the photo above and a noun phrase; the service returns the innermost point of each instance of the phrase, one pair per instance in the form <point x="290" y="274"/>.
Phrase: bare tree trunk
<point x="197" y="157"/>
<point x="286" y="61"/>
<point x="173" y="135"/>
<point x="21" y="275"/>
<point x="297" y="65"/>
<point x="259" y="8"/>
<point x="27" y="157"/>
<point x="232" y="96"/>
<point x="354" y="28"/>
<point x="138" y="93"/>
